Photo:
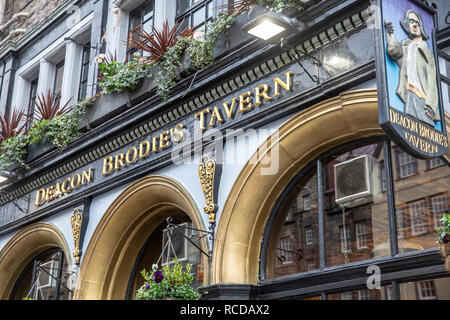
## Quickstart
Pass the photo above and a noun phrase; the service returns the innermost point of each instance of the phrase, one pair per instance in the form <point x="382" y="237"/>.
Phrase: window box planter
<point x="34" y="151"/>
<point x="110" y="105"/>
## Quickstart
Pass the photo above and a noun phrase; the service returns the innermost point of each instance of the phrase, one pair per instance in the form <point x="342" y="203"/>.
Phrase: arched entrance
<point x="349" y="116"/>
<point x="124" y="230"/>
<point x="25" y="246"/>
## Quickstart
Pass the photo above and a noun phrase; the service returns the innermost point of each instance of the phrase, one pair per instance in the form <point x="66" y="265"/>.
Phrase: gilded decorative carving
<point x="76" y="221"/>
<point x="206" y="173"/>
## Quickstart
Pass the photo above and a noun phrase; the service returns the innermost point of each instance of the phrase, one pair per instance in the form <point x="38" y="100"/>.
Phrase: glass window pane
<point x="420" y="200"/>
<point x="58" y="79"/>
<point x="198" y="17"/>
<point x="356" y="226"/>
<point x="432" y="289"/>
<point x="294" y="245"/>
<point x="384" y="293"/>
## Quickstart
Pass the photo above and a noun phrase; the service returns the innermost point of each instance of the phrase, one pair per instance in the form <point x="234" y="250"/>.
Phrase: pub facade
<point x="265" y="164"/>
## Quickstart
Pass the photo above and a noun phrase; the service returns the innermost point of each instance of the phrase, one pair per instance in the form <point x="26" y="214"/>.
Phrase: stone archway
<point x="123" y="230"/>
<point x="25" y="246"/>
<point x="349" y="116"/>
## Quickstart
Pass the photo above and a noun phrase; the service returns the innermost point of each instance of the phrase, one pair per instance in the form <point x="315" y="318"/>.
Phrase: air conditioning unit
<point x="357" y="181"/>
<point x="45" y="280"/>
<point x="179" y="243"/>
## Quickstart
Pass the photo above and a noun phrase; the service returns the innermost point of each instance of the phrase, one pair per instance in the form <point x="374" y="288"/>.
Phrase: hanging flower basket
<point x="444" y="239"/>
<point x="172" y="282"/>
<point x="445" y="250"/>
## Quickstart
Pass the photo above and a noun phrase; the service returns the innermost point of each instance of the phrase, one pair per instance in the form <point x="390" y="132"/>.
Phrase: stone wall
<point x="38" y="10"/>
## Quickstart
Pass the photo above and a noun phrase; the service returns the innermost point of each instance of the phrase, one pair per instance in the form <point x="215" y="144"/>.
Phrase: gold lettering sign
<point x="242" y="103"/>
<point x="60" y="189"/>
<point x="136" y="153"/>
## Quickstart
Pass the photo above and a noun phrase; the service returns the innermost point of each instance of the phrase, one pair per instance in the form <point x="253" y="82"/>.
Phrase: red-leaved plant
<point x="157" y="44"/>
<point x="48" y="106"/>
<point x="239" y="6"/>
<point x="12" y="124"/>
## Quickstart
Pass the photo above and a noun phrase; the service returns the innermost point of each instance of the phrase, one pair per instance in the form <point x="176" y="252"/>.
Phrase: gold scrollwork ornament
<point x="206" y="172"/>
<point x="76" y="221"/>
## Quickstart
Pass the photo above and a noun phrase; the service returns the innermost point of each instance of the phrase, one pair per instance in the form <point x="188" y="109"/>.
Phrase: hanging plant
<point x="172" y="282"/>
<point x="444" y="239"/>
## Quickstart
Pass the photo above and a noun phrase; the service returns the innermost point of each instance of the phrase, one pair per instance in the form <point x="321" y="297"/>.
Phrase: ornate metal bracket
<point x="78" y="222"/>
<point x="173" y="227"/>
<point x="206" y="172"/>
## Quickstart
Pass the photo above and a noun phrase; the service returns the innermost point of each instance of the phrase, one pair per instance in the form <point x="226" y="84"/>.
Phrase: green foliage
<point x="13" y="151"/>
<point x="60" y="131"/>
<point x="444" y="231"/>
<point x="122" y="77"/>
<point x="200" y="52"/>
<point x="280" y="5"/>
<point x="176" y="283"/>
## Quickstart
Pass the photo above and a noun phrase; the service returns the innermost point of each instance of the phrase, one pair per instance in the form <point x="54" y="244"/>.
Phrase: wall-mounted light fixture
<point x="275" y="28"/>
<point x="5" y="176"/>
<point x="271" y="27"/>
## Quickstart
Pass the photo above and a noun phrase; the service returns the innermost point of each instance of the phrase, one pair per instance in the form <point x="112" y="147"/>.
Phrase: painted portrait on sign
<point x="410" y="62"/>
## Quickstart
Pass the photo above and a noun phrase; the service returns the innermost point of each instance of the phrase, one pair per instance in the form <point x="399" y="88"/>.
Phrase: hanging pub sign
<point x="409" y="91"/>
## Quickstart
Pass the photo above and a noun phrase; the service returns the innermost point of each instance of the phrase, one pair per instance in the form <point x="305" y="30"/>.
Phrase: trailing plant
<point x="200" y="52"/>
<point x="48" y="106"/>
<point x="12" y="124"/>
<point x="240" y="6"/>
<point x="60" y="131"/>
<point x="13" y="151"/>
<point x="444" y="231"/>
<point x="172" y="282"/>
<point x="117" y="77"/>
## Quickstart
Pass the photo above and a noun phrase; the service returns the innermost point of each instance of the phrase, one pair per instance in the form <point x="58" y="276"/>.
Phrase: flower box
<point x="34" y="151"/>
<point x="109" y="106"/>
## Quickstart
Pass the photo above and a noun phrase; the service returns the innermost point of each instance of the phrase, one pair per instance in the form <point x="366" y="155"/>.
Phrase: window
<point x="346" y="240"/>
<point x="434" y="163"/>
<point x="407" y="164"/>
<point x="285" y="248"/>
<point x="32" y="98"/>
<point x="400" y="213"/>
<point x="439" y="206"/>
<point x="389" y="293"/>
<point x="309" y="235"/>
<point x="426" y="290"/>
<point x="361" y="236"/>
<point x="194" y="13"/>
<point x="47" y="277"/>
<point x="341" y="231"/>
<point x="306" y="203"/>
<point x="418" y="217"/>
<point x="141" y="16"/>
<point x="57" y="87"/>
<point x="310" y="264"/>
<point x="363" y="294"/>
<point x="84" y="71"/>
